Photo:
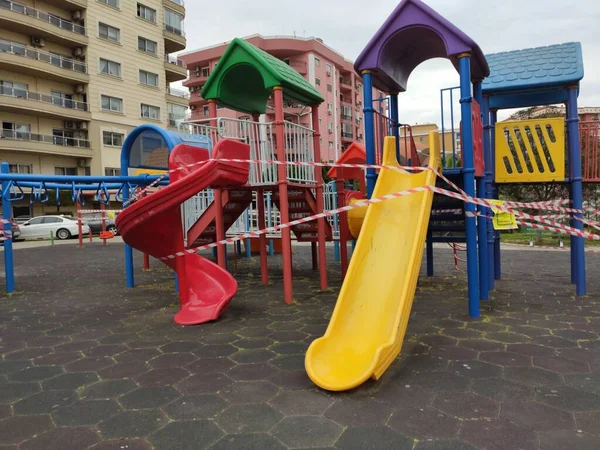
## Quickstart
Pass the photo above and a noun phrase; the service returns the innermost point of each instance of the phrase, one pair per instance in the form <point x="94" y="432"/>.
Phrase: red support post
<point x="319" y="194"/>
<point x="79" y="223"/>
<point x="262" y="239"/>
<point x="286" y="240"/>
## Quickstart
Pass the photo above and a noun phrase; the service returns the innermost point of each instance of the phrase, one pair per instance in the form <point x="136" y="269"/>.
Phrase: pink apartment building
<point x="340" y="115"/>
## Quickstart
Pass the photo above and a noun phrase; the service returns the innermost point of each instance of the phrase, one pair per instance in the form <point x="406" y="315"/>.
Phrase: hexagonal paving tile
<point x="533" y="376"/>
<point x="424" y="422"/>
<point x="475" y="369"/>
<point x="171" y="360"/>
<point x="253" y="418"/>
<point x="124" y="370"/>
<point x="11" y="392"/>
<point x="85" y="412"/>
<point x="568" y="398"/>
<point x="257" y="441"/>
<point x="18" y="428"/>
<point x="242" y="392"/>
<point x="292" y="379"/>
<point x="561" y="365"/>
<point x="497" y="434"/>
<point x="108" y="389"/>
<point x="193" y="407"/>
<point x="257" y="342"/>
<point x="466" y="406"/>
<point x="501" y="390"/>
<point x="376" y="437"/>
<point x="89" y="364"/>
<point x="44" y="402"/>
<point x="588" y="422"/>
<point x="302" y="402"/>
<point x="204" y="383"/>
<point x="120" y="444"/>
<point x="288" y="362"/>
<point x="193" y="435"/>
<point x="8" y="367"/>
<point x="558" y="440"/>
<point x="210" y="365"/>
<point x="506" y="359"/>
<point x="149" y="397"/>
<point x="63" y="438"/>
<point x="441" y="381"/>
<point x="70" y="381"/>
<point x="162" y="377"/>
<point x="36" y="373"/>
<point x="252" y="372"/>
<point x="452" y="444"/>
<point x="537" y="416"/>
<point x="307" y="431"/>
<point x="252" y="356"/>
<point x="131" y="424"/>
<point x="180" y="347"/>
<point x="353" y="412"/>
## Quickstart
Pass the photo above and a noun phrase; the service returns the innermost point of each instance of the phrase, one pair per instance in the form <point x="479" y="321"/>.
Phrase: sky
<point x="347" y="26"/>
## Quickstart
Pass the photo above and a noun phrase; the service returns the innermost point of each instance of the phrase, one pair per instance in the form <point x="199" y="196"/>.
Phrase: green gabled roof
<point x="246" y="75"/>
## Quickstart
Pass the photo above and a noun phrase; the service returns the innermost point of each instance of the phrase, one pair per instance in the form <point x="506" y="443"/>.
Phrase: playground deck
<point x="86" y="364"/>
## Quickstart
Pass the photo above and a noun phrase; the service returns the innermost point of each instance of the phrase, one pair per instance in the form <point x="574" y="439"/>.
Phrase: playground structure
<point x="381" y="280"/>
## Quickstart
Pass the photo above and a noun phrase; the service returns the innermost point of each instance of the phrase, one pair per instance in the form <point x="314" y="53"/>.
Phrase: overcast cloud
<point x="347" y="25"/>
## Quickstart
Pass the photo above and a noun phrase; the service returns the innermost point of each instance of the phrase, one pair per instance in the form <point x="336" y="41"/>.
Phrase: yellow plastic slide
<point x="369" y="321"/>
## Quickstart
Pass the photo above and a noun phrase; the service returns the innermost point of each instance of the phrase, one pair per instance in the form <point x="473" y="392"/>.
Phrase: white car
<point x="41" y="227"/>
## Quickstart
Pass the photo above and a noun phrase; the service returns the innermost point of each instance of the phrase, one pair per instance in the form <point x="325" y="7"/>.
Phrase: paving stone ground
<point x="87" y="364"/>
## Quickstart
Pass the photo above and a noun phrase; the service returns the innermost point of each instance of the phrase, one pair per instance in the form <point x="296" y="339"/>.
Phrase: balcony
<point x="19" y="101"/>
<point x="24" y="19"/>
<point x="346" y="117"/>
<point x="174" y="119"/>
<point x="41" y="143"/>
<point x="175" y="5"/>
<point x="28" y="60"/>
<point x="345" y="85"/>
<point x="174" y="39"/>
<point x="195" y="80"/>
<point x="299" y="67"/>
<point x="69" y="5"/>
<point x="346" y="136"/>
<point x="178" y="96"/>
<point x="175" y="69"/>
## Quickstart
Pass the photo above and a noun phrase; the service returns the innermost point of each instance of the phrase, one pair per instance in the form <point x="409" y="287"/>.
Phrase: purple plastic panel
<point x="412" y="34"/>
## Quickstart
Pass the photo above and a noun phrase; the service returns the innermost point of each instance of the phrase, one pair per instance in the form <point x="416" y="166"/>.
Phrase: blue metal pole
<point x="577" y="243"/>
<point x="139" y="179"/>
<point x="481" y="222"/>
<point x="129" y="271"/>
<point x="429" y="254"/>
<point x="270" y="223"/>
<point x="369" y="129"/>
<point x="489" y="180"/>
<point x="469" y="182"/>
<point x="247" y="242"/>
<point x="495" y="194"/>
<point x="9" y="268"/>
<point x="394" y="119"/>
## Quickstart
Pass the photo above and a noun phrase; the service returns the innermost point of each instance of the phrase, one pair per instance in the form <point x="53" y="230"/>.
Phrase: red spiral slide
<point x="153" y="225"/>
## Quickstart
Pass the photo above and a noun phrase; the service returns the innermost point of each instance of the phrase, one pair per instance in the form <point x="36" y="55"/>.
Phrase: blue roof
<point x="535" y="68"/>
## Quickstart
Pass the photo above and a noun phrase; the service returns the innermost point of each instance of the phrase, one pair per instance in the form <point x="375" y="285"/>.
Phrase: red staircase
<point x="204" y="231"/>
<point x="302" y="203"/>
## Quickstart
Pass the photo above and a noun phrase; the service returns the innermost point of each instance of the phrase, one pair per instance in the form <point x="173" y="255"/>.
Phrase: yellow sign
<point x="503" y="220"/>
<point x="150" y="172"/>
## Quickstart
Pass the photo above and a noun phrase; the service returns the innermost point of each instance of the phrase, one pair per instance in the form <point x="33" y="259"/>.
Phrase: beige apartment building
<point x="77" y="75"/>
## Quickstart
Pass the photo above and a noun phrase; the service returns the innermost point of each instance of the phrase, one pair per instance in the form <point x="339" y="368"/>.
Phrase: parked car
<point x="94" y="221"/>
<point x="15" y="231"/>
<point x="40" y="227"/>
<point x="22" y="219"/>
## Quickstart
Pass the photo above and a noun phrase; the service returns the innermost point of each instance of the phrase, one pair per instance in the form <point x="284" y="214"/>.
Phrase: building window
<point x="329" y="88"/>
<point x="318" y="81"/>
<point x="113" y="104"/>
<point x="173" y="22"/>
<point x="146" y="45"/>
<point x="108" y="32"/>
<point x="114" y="3"/>
<point x="150" y="112"/>
<point x="148" y="78"/>
<point x="110" y="67"/>
<point x="205" y="72"/>
<point x="11" y="130"/>
<point x="62" y="99"/>
<point x="20" y="168"/>
<point x="112" y="172"/>
<point x="347" y="130"/>
<point x="330" y="144"/>
<point x="13" y="89"/>
<point x="329" y="108"/>
<point x="288" y="61"/>
<point x="65" y="171"/>
<point x="146" y="13"/>
<point x="112" y="139"/>
<point x="317" y="62"/>
<point x="64" y="137"/>
<point x="330" y="127"/>
<point x="329" y="69"/>
<point x="176" y="113"/>
<point x="206" y="111"/>
<point x="421" y="139"/>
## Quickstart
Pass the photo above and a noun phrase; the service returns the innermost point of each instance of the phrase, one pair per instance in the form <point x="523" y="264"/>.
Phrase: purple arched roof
<point x="412" y="34"/>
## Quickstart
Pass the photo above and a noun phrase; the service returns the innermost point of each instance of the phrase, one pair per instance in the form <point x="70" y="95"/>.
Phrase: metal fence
<point x="44" y="98"/>
<point x="16" y="48"/>
<point x="17" y="135"/>
<point x="43" y="16"/>
<point x="589" y="138"/>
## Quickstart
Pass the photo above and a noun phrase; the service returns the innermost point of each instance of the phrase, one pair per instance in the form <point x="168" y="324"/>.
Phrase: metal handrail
<point x="44" y="98"/>
<point x="175" y="61"/>
<point x="178" y="93"/>
<point x="43" y="16"/>
<point x="15" y="135"/>
<point x="178" y="2"/>
<point x="174" y="30"/>
<point x="33" y="53"/>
